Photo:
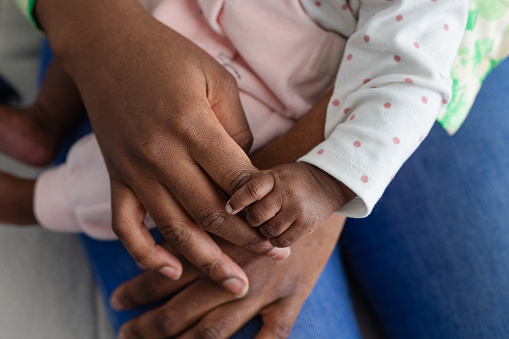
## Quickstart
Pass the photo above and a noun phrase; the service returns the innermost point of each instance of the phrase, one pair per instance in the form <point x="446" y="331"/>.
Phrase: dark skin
<point x="127" y="82"/>
<point x="278" y="289"/>
<point x="271" y="295"/>
<point x="202" y="310"/>
<point x="34" y="134"/>
<point x="289" y="201"/>
<point x="145" y="81"/>
<point x="40" y="127"/>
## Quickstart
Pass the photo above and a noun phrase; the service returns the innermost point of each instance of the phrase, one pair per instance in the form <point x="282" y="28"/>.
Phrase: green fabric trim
<point x="28" y="6"/>
<point x="484" y="45"/>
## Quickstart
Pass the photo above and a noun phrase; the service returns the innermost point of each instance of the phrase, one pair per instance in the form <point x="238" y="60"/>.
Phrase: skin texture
<point x="278" y="289"/>
<point x="202" y="310"/>
<point x="145" y="81"/>
<point x="289" y="201"/>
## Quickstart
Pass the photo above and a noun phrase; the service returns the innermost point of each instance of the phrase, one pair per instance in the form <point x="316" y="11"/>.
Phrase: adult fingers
<point x="225" y="320"/>
<point x="177" y="314"/>
<point x="218" y="154"/>
<point x="205" y="203"/>
<point x="278" y="318"/>
<point x="150" y="287"/>
<point x="128" y="215"/>
<point x="193" y="242"/>
<point x="224" y="100"/>
<point x="251" y="192"/>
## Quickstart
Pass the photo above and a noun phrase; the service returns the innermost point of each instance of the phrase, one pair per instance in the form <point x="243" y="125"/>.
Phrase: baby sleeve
<point x="75" y="196"/>
<point x="391" y="84"/>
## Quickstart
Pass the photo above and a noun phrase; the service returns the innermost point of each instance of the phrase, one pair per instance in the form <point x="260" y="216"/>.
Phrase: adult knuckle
<point x="148" y="289"/>
<point x="189" y="127"/>
<point x="209" y="331"/>
<point x="214" y="221"/>
<point x="142" y="255"/>
<point x="281" y="329"/>
<point x="176" y="234"/>
<point x="164" y="320"/>
<point x="127" y="298"/>
<point x="211" y="267"/>
<point x="217" y="328"/>
<point x="237" y="178"/>
<point x="150" y="149"/>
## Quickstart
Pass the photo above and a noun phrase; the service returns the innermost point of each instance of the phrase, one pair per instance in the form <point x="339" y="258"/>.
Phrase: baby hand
<point x="289" y="201"/>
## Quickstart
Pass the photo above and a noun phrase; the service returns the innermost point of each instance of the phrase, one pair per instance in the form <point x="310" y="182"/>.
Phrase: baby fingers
<point x="254" y="190"/>
<point x="276" y="226"/>
<point x="302" y="225"/>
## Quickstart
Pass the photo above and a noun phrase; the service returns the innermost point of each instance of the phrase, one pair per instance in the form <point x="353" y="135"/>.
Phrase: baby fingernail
<point x="279" y="253"/>
<point x="170" y="272"/>
<point x="229" y="209"/>
<point x="235" y="286"/>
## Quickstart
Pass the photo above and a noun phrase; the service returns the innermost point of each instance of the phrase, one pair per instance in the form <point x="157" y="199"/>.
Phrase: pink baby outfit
<point x="279" y="77"/>
<point x="388" y="61"/>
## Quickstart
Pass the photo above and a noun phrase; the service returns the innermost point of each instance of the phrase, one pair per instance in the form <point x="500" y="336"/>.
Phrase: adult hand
<point x="201" y="310"/>
<point x="152" y="97"/>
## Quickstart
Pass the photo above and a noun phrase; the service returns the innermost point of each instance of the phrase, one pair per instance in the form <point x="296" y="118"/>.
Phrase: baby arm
<point x="289" y="201"/>
<point x="302" y="195"/>
<point x="392" y="81"/>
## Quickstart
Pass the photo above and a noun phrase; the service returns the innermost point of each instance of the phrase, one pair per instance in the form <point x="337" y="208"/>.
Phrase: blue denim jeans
<point x="433" y="257"/>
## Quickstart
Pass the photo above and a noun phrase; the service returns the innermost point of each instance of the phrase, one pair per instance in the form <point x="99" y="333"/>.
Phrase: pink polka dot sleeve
<point x="390" y="86"/>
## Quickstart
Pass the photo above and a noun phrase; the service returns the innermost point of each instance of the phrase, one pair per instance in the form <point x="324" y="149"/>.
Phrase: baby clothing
<point x="280" y="76"/>
<point x="484" y="45"/>
<point x="388" y="61"/>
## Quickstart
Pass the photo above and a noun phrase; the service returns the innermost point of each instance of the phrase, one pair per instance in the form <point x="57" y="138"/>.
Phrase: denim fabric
<point x="433" y="257"/>
<point x="327" y="311"/>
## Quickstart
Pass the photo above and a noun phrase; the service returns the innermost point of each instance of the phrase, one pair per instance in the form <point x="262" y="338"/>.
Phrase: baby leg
<point x="33" y="134"/>
<point x="16" y="200"/>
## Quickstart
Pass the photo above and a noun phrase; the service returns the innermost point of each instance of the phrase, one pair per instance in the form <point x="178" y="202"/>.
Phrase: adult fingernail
<point x="278" y="253"/>
<point x="236" y="286"/>
<point x="116" y="302"/>
<point x="229" y="209"/>
<point x="170" y="272"/>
